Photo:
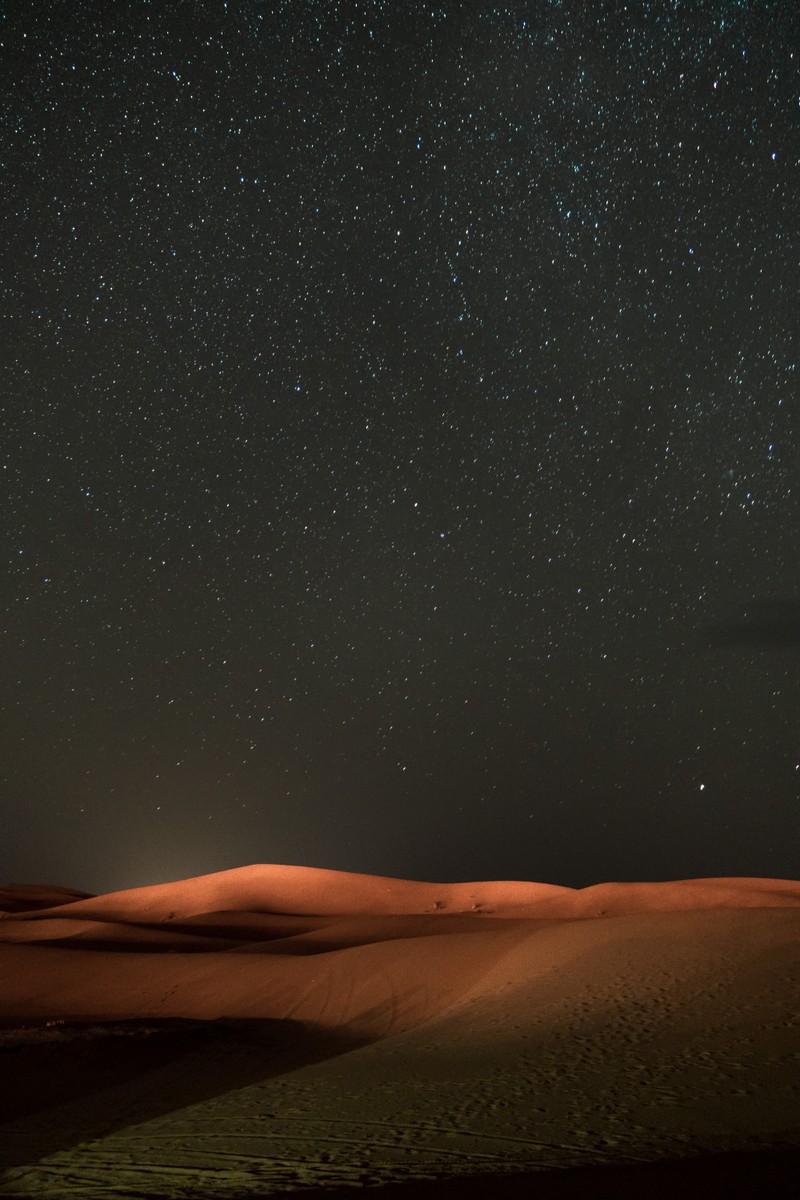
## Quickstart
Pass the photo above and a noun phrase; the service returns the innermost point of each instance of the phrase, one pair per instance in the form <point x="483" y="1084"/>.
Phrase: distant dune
<point x="269" y="1028"/>
<point x="25" y="897"/>
<point x="310" y="891"/>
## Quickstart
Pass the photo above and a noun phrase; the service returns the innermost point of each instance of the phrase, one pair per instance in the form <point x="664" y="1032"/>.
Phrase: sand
<point x="275" y="1029"/>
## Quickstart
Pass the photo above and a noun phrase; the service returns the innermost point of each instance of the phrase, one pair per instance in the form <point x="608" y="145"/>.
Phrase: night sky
<point x="401" y="443"/>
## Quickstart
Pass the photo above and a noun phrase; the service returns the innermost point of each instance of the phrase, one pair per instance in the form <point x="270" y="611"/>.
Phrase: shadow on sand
<point x="74" y="1082"/>
<point x="728" y="1176"/>
<point x="71" y="1082"/>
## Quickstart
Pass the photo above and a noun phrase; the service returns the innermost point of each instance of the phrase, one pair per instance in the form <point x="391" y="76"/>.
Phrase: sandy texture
<point x="275" y="1028"/>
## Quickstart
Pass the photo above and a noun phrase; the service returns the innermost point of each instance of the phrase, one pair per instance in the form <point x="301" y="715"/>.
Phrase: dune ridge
<point x="25" y="897"/>
<point x="315" y="891"/>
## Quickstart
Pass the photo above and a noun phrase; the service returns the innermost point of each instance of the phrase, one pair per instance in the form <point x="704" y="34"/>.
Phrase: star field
<point x="398" y="397"/>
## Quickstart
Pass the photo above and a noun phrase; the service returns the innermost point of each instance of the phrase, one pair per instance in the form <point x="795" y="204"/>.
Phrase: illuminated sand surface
<point x="275" y="1028"/>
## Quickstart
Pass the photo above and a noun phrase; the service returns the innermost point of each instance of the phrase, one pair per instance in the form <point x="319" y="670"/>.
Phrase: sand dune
<point x="270" y="1028"/>
<point x="272" y="888"/>
<point x="26" y="897"/>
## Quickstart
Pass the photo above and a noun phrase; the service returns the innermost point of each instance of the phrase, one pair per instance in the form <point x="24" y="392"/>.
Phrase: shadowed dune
<point x="151" y="1067"/>
<point x="27" y="897"/>
<point x="274" y="1028"/>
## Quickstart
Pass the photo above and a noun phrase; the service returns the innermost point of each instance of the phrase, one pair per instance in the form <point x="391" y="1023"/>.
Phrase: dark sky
<point x="401" y="449"/>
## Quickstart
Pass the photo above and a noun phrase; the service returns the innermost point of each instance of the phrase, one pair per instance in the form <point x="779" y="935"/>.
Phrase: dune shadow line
<point x="84" y="1081"/>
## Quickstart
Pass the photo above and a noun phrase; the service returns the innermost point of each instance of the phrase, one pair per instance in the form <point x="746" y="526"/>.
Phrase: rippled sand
<point x="275" y="1028"/>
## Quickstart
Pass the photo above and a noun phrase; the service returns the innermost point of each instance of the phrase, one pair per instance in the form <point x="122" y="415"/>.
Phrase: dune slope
<point x="302" y="1028"/>
<point x="274" y="888"/>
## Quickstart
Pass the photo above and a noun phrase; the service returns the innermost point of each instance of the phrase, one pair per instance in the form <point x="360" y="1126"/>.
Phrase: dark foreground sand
<point x="282" y="1029"/>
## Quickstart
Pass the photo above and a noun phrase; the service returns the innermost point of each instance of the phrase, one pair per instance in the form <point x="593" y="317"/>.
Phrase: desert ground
<point x="289" y="1030"/>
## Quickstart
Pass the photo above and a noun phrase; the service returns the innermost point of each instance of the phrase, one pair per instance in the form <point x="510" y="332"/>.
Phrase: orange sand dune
<point x="24" y="897"/>
<point x="271" y="1028"/>
<point x="313" y="891"/>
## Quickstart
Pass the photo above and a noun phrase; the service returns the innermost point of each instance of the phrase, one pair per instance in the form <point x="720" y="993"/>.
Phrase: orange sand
<point x="271" y="1028"/>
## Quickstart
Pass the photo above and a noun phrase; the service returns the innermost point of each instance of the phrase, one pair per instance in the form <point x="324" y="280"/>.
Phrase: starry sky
<point x="401" y="455"/>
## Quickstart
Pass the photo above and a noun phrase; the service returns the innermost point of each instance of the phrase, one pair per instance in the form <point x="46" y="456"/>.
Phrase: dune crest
<point x="314" y="891"/>
<point x="25" y="897"/>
